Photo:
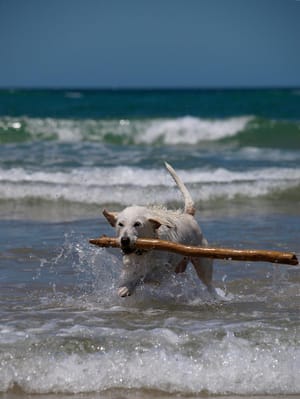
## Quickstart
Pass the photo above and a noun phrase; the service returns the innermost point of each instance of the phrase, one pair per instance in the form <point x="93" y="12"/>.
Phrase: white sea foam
<point x="191" y="130"/>
<point x="125" y="185"/>
<point x="228" y="365"/>
<point x="188" y="130"/>
<point x="125" y="175"/>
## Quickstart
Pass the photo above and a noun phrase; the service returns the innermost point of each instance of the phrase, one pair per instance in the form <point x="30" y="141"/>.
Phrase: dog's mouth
<point x="127" y="245"/>
<point x="128" y="251"/>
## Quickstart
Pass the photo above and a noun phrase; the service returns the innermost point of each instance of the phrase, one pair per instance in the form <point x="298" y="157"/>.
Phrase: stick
<point x="256" y="255"/>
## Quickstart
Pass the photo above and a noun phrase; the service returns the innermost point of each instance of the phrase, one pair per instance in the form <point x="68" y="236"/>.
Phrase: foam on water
<point x="125" y="185"/>
<point x="188" y="130"/>
<point x="238" y="131"/>
<point x="159" y="359"/>
<point x="191" y="130"/>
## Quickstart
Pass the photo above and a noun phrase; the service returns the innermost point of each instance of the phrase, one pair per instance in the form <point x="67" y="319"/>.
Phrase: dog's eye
<point x="137" y="224"/>
<point x="120" y="224"/>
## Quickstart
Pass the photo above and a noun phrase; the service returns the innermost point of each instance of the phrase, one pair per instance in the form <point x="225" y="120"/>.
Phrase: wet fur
<point x="158" y="222"/>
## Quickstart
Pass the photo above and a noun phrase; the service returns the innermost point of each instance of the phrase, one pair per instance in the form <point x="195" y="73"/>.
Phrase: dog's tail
<point x="189" y="206"/>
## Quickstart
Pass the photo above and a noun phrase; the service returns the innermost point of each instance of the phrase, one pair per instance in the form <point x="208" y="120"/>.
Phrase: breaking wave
<point x="241" y="131"/>
<point x="154" y="361"/>
<point x="127" y="185"/>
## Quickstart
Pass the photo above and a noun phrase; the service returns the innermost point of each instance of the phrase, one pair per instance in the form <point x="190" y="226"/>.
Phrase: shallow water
<point x="63" y="329"/>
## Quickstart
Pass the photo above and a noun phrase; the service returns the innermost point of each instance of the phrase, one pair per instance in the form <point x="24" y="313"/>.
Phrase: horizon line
<point x="147" y="88"/>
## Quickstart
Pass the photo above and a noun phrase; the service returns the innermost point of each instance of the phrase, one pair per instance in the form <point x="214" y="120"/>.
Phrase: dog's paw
<point x="123" y="292"/>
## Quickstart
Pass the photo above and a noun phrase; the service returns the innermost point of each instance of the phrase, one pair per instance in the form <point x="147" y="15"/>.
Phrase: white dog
<point x="157" y="222"/>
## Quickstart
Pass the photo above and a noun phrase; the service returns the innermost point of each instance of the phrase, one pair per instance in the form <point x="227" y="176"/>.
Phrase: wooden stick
<point x="254" y="255"/>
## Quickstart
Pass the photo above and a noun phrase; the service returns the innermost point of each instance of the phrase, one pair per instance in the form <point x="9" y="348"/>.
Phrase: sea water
<point x="66" y="155"/>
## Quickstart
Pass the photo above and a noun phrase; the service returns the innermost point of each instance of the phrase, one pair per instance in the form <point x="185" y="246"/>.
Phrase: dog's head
<point x="132" y="223"/>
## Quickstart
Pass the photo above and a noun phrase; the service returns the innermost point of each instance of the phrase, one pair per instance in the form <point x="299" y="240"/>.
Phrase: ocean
<point x="65" y="155"/>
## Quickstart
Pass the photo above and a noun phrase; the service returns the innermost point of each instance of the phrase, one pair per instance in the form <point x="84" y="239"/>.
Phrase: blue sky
<point x="142" y="43"/>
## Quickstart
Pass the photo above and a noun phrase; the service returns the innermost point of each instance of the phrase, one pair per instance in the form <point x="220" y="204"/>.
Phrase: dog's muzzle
<point x="126" y="245"/>
<point x="128" y="248"/>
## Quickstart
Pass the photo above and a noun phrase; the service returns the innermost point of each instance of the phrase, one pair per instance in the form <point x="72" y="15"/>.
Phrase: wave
<point x="125" y="185"/>
<point x="158" y="371"/>
<point x="241" y="131"/>
<point x="84" y="360"/>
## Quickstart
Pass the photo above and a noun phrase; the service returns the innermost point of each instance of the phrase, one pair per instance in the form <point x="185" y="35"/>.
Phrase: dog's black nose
<point x="125" y="241"/>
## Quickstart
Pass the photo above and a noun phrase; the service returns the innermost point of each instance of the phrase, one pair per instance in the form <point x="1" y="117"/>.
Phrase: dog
<point x="179" y="226"/>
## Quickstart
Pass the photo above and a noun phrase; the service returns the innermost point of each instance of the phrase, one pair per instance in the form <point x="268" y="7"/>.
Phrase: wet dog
<point x="157" y="222"/>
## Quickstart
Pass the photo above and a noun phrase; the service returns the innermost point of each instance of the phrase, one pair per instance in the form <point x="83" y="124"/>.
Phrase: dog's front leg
<point x="132" y="274"/>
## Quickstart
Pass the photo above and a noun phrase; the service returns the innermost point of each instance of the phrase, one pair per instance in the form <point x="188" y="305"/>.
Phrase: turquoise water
<point x="67" y="154"/>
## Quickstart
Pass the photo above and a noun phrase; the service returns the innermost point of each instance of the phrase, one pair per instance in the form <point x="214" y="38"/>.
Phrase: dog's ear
<point x="155" y="223"/>
<point x="111" y="217"/>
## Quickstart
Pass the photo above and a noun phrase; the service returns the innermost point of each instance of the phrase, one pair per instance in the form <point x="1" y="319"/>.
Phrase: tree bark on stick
<point x="253" y="255"/>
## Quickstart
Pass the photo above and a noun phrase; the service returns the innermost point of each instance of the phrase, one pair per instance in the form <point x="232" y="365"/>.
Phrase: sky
<point x="149" y="44"/>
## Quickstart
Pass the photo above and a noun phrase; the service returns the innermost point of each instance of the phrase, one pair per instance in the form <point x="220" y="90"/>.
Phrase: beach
<point x="65" y="155"/>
